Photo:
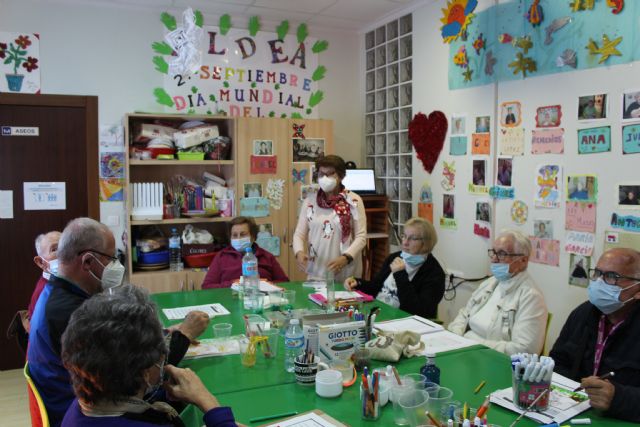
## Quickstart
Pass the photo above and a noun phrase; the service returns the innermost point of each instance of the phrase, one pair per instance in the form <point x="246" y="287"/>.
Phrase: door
<point x="66" y="150"/>
<point x="316" y="140"/>
<point x="263" y="139"/>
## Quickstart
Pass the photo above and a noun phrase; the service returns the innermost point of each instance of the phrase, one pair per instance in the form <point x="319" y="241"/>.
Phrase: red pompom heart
<point x="427" y="135"/>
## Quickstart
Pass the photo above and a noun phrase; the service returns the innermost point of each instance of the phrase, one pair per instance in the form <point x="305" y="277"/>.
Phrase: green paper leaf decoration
<point x="283" y="116"/>
<point x="199" y="18"/>
<point x="225" y="84"/>
<point x="315" y="98"/>
<point x="194" y="89"/>
<point x="296" y="115"/>
<point x="212" y="98"/>
<point x="162" y="97"/>
<point x="320" y="46"/>
<point x="272" y="113"/>
<point x="254" y="25"/>
<point x="309" y="111"/>
<point x="302" y="33"/>
<point x="169" y="21"/>
<point x="161" y="48"/>
<point x="161" y="64"/>
<point x="318" y="74"/>
<point x="282" y="29"/>
<point x="224" y="24"/>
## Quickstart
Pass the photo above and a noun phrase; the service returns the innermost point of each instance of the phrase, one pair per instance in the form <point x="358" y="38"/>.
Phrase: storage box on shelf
<point x="149" y="170"/>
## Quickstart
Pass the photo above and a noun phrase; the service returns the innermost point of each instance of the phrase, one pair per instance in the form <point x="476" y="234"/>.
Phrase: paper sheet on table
<point x="340" y="294"/>
<point x="6" y="204"/>
<point x="264" y="287"/>
<point x="443" y="340"/>
<point x="212" y="310"/>
<point x="561" y="406"/>
<point x="213" y="347"/>
<point x="309" y="419"/>
<point x="416" y="324"/>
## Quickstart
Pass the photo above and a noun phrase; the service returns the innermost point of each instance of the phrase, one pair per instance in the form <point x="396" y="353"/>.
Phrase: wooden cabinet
<point x="376" y="208"/>
<point x="245" y="133"/>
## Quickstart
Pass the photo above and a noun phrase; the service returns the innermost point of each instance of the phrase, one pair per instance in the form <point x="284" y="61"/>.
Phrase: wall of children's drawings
<point x="553" y="156"/>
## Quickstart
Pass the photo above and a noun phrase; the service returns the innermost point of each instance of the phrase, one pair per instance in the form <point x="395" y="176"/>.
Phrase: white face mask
<point x="52" y="268"/>
<point x="112" y="274"/>
<point x="327" y="183"/>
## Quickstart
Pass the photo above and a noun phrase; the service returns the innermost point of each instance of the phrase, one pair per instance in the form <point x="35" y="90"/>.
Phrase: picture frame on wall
<point x="262" y="147"/>
<point x="510" y="114"/>
<point x="307" y="150"/>
<point x="593" y="107"/>
<point x="631" y="105"/>
<point x="628" y="194"/>
<point x="549" y="116"/>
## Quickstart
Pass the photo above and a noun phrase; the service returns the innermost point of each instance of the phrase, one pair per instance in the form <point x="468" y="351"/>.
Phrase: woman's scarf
<point x="341" y="207"/>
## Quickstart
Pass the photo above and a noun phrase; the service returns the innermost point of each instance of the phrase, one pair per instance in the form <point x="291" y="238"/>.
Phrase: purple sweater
<point x="217" y="417"/>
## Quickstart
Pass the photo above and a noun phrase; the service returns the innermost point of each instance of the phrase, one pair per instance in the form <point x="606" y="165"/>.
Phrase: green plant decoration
<point x="162" y="97"/>
<point x="169" y="21"/>
<point x="318" y="74"/>
<point x="254" y="25"/>
<point x="161" y="64"/>
<point x="309" y="111"/>
<point x="225" y="84"/>
<point x="272" y="113"/>
<point x="277" y="86"/>
<point x="199" y="18"/>
<point x="194" y="90"/>
<point x="468" y="74"/>
<point x="282" y="29"/>
<point x="315" y="98"/>
<point x="302" y="33"/>
<point x="254" y="85"/>
<point x="16" y="55"/>
<point x="224" y="24"/>
<point x="212" y="98"/>
<point x="320" y="46"/>
<point x="296" y="115"/>
<point x="162" y="48"/>
<point x="283" y="116"/>
<point x="523" y="64"/>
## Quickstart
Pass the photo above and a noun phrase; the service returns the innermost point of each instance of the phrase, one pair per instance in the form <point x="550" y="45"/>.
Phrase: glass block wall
<point x="388" y="113"/>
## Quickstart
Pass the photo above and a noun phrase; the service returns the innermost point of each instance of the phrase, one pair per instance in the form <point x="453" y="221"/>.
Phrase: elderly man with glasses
<point x="602" y="335"/>
<point x="507" y="312"/>
<point x="86" y="266"/>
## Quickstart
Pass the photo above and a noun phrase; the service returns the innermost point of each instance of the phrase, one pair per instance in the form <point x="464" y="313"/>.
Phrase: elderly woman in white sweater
<point x="507" y="312"/>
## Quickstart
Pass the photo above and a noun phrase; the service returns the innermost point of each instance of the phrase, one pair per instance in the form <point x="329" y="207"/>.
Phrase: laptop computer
<point x="360" y="181"/>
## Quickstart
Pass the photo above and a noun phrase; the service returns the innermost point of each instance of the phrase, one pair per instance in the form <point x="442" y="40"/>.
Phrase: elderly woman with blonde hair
<point x="507" y="312"/>
<point x="412" y="279"/>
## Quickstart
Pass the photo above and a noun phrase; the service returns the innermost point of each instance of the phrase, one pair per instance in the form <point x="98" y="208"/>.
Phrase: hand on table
<point x="302" y="260"/>
<point x="194" y="325"/>
<point x="337" y="264"/>
<point x="350" y="284"/>
<point x="397" y="265"/>
<point x="599" y="391"/>
<point x="184" y="385"/>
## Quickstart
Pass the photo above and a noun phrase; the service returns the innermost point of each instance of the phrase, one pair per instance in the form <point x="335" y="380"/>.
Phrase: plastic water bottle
<point x="175" y="253"/>
<point x="293" y="344"/>
<point x="249" y="264"/>
<point x="430" y="370"/>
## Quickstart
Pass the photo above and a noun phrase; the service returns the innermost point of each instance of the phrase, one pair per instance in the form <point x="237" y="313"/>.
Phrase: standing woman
<point x="333" y="225"/>
<point x="411" y="280"/>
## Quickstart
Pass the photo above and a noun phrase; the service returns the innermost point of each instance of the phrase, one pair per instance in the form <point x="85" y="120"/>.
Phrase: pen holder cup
<point x="370" y="407"/>
<point x="305" y="371"/>
<point x="526" y="392"/>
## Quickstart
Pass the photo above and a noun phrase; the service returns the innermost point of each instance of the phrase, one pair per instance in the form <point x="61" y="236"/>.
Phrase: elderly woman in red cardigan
<point x="226" y="267"/>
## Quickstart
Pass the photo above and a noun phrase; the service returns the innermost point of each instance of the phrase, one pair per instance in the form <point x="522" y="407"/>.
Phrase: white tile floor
<point x="14" y="403"/>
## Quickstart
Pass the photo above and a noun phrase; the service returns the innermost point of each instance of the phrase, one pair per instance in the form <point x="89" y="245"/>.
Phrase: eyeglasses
<point x="111" y="257"/>
<point x="500" y="255"/>
<point x="610" y="277"/>
<point x="411" y="238"/>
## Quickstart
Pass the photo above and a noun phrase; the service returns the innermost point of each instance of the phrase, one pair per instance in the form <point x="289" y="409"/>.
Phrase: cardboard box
<point x="339" y="341"/>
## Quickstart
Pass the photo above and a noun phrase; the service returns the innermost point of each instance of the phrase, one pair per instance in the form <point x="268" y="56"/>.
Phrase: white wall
<point x="88" y="49"/>
<point x="461" y="250"/>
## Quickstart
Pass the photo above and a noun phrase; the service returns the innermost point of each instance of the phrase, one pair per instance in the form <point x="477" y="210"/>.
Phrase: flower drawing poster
<point x="19" y="62"/>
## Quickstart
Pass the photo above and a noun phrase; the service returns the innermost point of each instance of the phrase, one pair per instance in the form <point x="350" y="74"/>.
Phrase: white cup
<point x="329" y="383"/>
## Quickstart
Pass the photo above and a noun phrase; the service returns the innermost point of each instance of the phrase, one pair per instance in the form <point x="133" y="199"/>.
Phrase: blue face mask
<point x="606" y="297"/>
<point x="413" y="259"/>
<point x="500" y="271"/>
<point x="241" y="244"/>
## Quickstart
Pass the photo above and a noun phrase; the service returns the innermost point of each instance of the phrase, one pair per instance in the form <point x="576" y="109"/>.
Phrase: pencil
<point x="479" y="387"/>
<point x="602" y="377"/>
<point x="395" y="373"/>
<point x="270" y="417"/>
<point x="433" y="420"/>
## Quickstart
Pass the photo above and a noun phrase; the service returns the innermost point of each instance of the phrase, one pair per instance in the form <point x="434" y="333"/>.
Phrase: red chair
<point x="39" y="417"/>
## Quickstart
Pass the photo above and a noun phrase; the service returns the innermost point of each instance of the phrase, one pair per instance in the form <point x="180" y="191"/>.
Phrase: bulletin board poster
<point x="594" y="140"/>
<point x="631" y="139"/>
<point x="545" y="251"/>
<point x="502" y="45"/>
<point x="19" y="62"/>
<point x="246" y="73"/>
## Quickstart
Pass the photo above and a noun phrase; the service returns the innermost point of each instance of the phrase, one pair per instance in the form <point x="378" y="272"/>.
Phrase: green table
<point x="267" y="389"/>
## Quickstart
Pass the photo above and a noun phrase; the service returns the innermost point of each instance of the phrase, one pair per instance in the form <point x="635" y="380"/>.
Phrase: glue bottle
<point x="430" y="370"/>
